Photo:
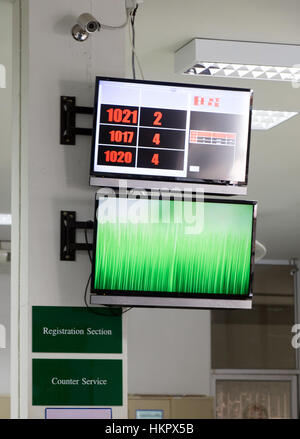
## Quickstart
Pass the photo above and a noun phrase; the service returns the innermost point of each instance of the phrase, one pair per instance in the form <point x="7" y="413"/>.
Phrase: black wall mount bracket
<point x="68" y="227"/>
<point x="68" y="129"/>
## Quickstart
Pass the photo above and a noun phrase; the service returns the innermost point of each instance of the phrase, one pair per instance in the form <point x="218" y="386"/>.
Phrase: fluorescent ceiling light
<point x="5" y="219"/>
<point x="239" y="59"/>
<point x="264" y="120"/>
<point x="2" y="337"/>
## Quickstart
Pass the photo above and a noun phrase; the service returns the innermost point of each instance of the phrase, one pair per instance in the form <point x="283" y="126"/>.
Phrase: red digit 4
<point x="155" y="159"/>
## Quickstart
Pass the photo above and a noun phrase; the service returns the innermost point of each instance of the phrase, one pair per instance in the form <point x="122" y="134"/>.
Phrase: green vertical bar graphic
<point x="162" y="257"/>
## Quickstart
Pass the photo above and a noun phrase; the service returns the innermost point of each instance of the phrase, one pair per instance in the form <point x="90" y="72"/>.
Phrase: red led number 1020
<point x="118" y="157"/>
<point x="117" y="115"/>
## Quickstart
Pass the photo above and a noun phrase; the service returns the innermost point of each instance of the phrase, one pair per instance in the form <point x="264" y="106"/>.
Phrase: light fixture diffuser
<point x="2" y="337"/>
<point x="239" y="59"/>
<point x="264" y="120"/>
<point x="5" y="219"/>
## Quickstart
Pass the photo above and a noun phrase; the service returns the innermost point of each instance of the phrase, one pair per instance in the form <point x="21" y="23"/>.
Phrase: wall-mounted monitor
<point x="167" y="252"/>
<point x="160" y="135"/>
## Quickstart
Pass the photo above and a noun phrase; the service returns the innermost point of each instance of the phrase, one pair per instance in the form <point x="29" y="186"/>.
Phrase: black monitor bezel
<point x="128" y="177"/>
<point x="177" y="296"/>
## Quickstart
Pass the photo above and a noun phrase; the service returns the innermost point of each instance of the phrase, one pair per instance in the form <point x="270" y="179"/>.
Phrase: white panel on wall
<point x="168" y="351"/>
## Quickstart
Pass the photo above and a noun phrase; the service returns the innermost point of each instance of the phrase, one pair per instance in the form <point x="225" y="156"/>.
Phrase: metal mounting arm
<point x="68" y="227"/>
<point x="68" y="129"/>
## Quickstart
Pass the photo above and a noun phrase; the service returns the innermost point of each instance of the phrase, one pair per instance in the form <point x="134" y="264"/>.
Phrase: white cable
<point x="107" y="26"/>
<point x="260" y="251"/>
<point x="135" y="54"/>
<point x="128" y="12"/>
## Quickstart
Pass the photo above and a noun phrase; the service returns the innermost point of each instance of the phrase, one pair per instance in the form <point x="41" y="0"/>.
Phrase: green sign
<point x="77" y="382"/>
<point x="76" y="330"/>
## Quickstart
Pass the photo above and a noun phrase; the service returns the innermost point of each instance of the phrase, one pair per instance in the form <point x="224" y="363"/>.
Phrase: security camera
<point x="294" y="271"/>
<point x="86" y="24"/>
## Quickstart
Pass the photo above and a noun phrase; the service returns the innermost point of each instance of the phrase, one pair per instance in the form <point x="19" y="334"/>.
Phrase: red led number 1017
<point x="117" y="115"/>
<point x="117" y="136"/>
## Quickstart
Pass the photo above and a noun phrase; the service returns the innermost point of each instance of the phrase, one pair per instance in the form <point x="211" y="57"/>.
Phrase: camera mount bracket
<point x="68" y="129"/>
<point x="68" y="227"/>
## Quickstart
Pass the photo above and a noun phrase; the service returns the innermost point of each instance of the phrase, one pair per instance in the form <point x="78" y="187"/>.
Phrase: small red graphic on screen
<point x="205" y="101"/>
<point x="213" y="138"/>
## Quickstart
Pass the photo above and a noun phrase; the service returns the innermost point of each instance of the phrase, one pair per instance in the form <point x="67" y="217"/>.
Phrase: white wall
<point x="55" y="177"/>
<point x="5" y="320"/>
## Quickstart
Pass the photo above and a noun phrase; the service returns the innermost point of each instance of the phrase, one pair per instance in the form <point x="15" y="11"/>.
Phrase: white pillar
<point x="49" y="177"/>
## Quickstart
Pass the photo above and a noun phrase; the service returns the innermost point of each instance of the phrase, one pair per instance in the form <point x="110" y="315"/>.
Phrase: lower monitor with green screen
<point x="173" y="253"/>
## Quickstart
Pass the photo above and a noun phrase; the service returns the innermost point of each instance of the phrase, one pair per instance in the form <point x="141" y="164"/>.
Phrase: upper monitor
<point x="171" y="136"/>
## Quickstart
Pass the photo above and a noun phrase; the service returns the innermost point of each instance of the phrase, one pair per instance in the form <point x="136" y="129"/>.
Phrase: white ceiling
<point x="163" y="26"/>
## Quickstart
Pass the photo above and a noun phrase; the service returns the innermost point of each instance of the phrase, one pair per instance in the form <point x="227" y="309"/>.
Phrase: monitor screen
<point x="166" y="135"/>
<point x="173" y="253"/>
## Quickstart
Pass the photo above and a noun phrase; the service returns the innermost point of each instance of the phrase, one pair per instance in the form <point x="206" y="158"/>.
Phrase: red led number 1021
<point x="117" y="115"/>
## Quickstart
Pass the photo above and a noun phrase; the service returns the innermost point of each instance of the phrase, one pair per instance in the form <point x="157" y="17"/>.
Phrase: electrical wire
<point x="114" y="312"/>
<point x="86" y="290"/>
<point x="126" y="310"/>
<point x="90" y="309"/>
<point x="107" y="26"/>
<point x="132" y="18"/>
<point x="87" y="243"/>
<point x="134" y="56"/>
<point x="128" y="16"/>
